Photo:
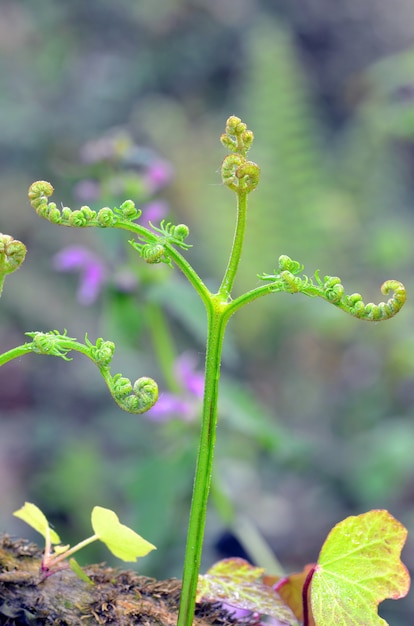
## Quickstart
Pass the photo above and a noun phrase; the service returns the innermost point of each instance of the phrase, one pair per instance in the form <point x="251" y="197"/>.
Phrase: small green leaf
<point x="358" y="567"/>
<point x="75" y="567"/>
<point x="123" y="542"/>
<point x="33" y="516"/>
<point x="236" y="583"/>
<point x="61" y="549"/>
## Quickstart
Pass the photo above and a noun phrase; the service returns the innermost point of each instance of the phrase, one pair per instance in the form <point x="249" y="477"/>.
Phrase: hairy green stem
<point x="15" y="353"/>
<point x="202" y="480"/>
<point x="217" y="313"/>
<point x="248" y="297"/>
<point x="25" y="348"/>
<point x="235" y="255"/>
<point x="182" y="264"/>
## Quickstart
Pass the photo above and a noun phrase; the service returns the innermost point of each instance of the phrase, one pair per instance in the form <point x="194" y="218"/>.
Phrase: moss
<point x="121" y="598"/>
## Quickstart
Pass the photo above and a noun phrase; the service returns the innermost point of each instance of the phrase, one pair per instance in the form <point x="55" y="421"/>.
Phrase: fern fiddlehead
<point x="12" y="255"/>
<point x="169" y="235"/>
<point x="137" y="397"/>
<point x="332" y="290"/>
<point x="133" y="398"/>
<point x="152" y="244"/>
<point x="237" y="172"/>
<point x="383" y="310"/>
<point x="41" y="191"/>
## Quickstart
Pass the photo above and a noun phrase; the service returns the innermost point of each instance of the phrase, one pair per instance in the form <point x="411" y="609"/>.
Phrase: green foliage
<point x="123" y="542"/>
<point x="33" y="516"/>
<point x="358" y="567"/>
<point x="134" y="398"/>
<point x="332" y="290"/>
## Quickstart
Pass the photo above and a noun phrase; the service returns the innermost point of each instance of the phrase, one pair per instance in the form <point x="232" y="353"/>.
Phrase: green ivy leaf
<point x="359" y="566"/>
<point x="237" y="583"/>
<point x="32" y="515"/>
<point x="123" y="542"/>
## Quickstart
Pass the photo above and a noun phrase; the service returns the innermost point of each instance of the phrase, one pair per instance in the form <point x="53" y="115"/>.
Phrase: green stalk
<point x="202" y="480"/>
<point x="234" y="260"/>
<point x="55" y="559"/>
<point x="15" y="353"/>
<point x="218" y="317"/>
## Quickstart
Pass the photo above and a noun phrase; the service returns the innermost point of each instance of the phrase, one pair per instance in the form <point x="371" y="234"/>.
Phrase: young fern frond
<point x="332" y="290"/>
<point x="41" y="190"/>
<point x="237" y="173"/>
<point x="133" y="398"/>
<point x="173" y="234"/>
<point x="381" y="311"/>
<point x="156" y="251"/>
<point x="151" y="244"/>
<point x="12" y="255"/>
<point x="137" y="397"/>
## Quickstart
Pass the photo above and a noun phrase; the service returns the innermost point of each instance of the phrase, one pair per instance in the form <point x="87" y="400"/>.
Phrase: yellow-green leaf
<point x="32" y="515"/>
<point x="123" y="542"/>
<point x="359" y="566"/>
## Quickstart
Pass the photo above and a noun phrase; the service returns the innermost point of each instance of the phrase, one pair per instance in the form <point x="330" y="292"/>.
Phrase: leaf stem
<point x="182" y="264"/>
<point x="55" y="559"/>
<point x="305" y="596"/>
<point x="250" y="296"/>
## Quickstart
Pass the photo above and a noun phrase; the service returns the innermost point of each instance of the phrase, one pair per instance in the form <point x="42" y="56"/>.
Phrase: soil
<point x="119" y="598"/>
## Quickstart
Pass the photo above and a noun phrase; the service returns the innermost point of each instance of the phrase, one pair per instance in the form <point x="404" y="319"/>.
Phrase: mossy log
<point x="119" y="598"/>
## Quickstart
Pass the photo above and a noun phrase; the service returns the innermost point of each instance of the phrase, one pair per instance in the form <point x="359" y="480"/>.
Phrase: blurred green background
<point x="317" y="406"/>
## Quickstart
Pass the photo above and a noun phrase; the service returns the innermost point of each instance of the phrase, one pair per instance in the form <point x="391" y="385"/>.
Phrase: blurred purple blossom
<point x="185" y="406"/>
<point x="92" y="271"/>
<point x="87" y="190"/>
<point x="157" y="175"/>
<point x="153" y="212"/>
<point x="119" y="147"/>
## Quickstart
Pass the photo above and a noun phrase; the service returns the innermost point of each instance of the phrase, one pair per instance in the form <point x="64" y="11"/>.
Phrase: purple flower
<point x="185" y="406"/>
<point x="153" y="212"/>
<point x="87" y="190"/>
<point x="158" y="175"/>
<point x="92" y="271"/>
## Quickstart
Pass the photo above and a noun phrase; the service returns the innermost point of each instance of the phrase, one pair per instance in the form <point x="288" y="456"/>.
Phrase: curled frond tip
<point x="330" y="288"/>
<point x="137" y="398"/>
<point x="12" y="254"/>
<point x="377" y="312"/>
